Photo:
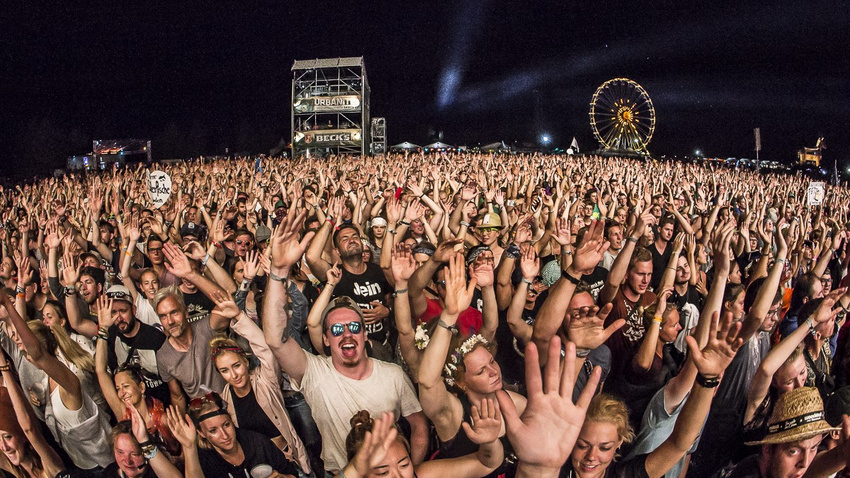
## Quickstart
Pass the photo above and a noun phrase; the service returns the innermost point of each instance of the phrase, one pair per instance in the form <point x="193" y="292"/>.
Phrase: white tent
<point x="438" y="145"/>
<point x="406" y="146"/>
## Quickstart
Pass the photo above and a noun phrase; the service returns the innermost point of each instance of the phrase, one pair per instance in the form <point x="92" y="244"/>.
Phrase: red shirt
<point x="469" y="321"/>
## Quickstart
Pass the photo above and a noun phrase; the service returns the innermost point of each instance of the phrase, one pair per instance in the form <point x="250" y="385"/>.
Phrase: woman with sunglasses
<point x="252" y="394"/>
<point x="471" y="368"/>
<point x="226" y="450"/>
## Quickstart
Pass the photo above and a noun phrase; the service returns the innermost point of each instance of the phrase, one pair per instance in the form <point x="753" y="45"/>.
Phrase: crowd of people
<point x="424" y="316"/>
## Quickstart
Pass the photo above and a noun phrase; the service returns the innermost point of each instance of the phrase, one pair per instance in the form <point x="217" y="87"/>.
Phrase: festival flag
<point x="258" y="167"/>
<point x="574" y="145"/>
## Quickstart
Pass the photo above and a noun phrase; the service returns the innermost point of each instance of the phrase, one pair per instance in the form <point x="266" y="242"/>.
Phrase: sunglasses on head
<point x="338" y="329"/>
<point x="118" y="295"/>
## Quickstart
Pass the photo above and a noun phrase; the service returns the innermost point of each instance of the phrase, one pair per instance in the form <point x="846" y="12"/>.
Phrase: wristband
<point x="278" y="278"/>
<point x="583" y="353"/>
<point x="513" y="251"/>
<point x="464" y="223"/>
<point x="128" y="253"/>
<point x="510" y="203"/>
<point x="168" y="225"/>
<point x="399" y="291"/>
<point x="19" y="290"/>
<point x="70" y="290"/>
<point x="658" y="319"/>
<point x="450" y="328"/>
<point x="218" y="245"/>
<point x="707" y="382"/>
<point x="570" y="278"/>
<point x="392" y="231"/>
<point x="206" y="259"/>
<point x="568" y="252"/>
<point x="526" y="281"/>
<point x="405" y="222"/>
<point x="632" y="239"/>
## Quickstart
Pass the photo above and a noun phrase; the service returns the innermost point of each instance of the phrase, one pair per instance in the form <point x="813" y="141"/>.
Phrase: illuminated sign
<point x="319" y="104"/>
<point x="345" y="137"/>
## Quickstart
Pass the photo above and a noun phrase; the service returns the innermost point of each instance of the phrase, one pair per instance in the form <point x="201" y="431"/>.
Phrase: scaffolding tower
<point x="330" y="107"/>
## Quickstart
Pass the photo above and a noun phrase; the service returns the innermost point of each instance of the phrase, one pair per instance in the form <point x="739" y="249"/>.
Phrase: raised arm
<point x="50" y="461"/>
<point x="104" y="379"/>
<point x="621" y="263"/>
<point x="179" y="266"/>
<point x="443" y="408"/>
<point x="314" y="319"/>
<point x="710" y="362"/>
<point x="285" y="251"/>
<point x="530" y="267"/>
<point x="69" y="385"/>
<point x="767" y="292"/>
<point x="642" y="361"/>
<point x="403" y="265"/>
<point x="318" y="265"/>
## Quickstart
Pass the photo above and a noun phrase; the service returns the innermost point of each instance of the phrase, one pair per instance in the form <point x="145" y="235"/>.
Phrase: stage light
<point x="545" y="139"/>
<point x="698" y="153"/>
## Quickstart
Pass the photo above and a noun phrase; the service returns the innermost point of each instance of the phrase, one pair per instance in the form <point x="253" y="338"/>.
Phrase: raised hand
<point x="71" y="269"/>
<point x="458" y="292"/>
<point x="589" y="252"/>
<point x="181" y="427"/>
<point x="137" y="424"/>
<point x="403" y="263"/>
<point x="563" y="235"/>
<point x="105" y="319"/>
<point x="446" y="250"/>
<point x="545" y="434"/>
<point x="334" y="275"/>
<point x="679" y="242"/>
<point x="586" y="328"/>
<point x="415" y="210"/>
<point x="721" y="348"/>
<point x="483" y="274"/>
<point x="250" y="265"/>
<point x="178" y="264"/>
<point x="224" y="305"/>
<point x="285" y="248"/>
<point x="487" y="422"/>
<point x="529" y="264"/>
<point x="376" y="444"/>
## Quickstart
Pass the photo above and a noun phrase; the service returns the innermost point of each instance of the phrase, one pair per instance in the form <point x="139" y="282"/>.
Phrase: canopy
<point x="438" y="145"/>
<point x="497" y="146"/>
<point x="406" y="146"/>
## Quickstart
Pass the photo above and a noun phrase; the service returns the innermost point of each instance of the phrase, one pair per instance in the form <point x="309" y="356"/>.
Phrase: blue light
<point x="545" y="139"/>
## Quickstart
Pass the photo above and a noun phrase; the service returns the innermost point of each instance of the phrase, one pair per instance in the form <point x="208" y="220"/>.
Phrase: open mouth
<point x="349" y="350"/>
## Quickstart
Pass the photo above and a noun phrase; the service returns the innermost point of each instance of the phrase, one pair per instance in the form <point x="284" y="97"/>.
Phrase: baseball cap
<point x="119" y="292"/>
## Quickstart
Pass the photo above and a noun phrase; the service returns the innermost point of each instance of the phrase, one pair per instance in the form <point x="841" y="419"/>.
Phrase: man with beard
<point x="131" y="341"/>
<point x="365" y="282"/>
<point x="346" y="381"/>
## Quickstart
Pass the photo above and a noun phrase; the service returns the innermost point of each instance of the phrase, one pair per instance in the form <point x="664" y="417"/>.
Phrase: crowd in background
<point x="421" y="315"/>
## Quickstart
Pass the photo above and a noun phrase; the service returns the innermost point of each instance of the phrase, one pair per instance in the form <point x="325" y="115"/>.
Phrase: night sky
<point x="196" y="78"/>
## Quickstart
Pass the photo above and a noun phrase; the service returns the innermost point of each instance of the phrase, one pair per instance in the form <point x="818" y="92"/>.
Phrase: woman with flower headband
<point x="126" y="389"/>
<point x="470" y="367"/>
<point x="252" y="394"/>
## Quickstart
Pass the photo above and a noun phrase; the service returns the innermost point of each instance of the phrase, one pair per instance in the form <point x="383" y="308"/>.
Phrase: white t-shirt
<point x="145" y="312"/>
<point x="335" y="398"/>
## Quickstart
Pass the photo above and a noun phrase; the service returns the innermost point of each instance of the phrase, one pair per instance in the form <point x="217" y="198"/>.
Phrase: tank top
<point x="461" y="445"/>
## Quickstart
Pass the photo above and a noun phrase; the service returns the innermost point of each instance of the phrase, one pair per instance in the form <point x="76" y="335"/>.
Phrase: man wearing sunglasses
<point x="347" y="380"/>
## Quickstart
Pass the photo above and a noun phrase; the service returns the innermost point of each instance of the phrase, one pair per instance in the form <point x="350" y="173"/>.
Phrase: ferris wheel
<point x="622" y="116"/>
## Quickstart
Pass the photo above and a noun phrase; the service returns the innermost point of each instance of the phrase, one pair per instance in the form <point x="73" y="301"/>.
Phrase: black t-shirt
<point x="198" y="305"/>
<point x="141" y="350"/>
<point x="659" y="263"/>
<point x="364" y="288"/>
<point x="251" y="416"/>
<point x="510" y="352"/>
<point x="258" y="450"/>
<point x="596" y="280"/>
<point x="112" y="471"/>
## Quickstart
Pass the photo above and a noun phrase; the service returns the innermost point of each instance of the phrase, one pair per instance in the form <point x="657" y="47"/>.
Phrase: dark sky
<point x="196" y="78"/>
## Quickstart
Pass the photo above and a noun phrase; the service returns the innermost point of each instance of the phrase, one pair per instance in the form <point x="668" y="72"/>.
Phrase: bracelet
<point x="570" y="278"/>
<point x="278" y="278"/>
<point x="510" y="203"/>
<point x="5" y="368"/>
<point x="513" y="251"/>
<point x="392" y="231"/>
<point x="128" y="253"/>
<point x="70" y="290"/>
<point x="246" y="284"/>
<point x="583" y="353"/>
<point x="206" y="259"/>
<point x="145" y="444"/>
<point x="450" y="328"/>
<point x="707" y="382"/>
<point x="405" y="222"/>
<point x="632" y="239"/>
<point x="464" y="223"/>
<point x="150" y="451"/>
<point x="399" y="291"/>
<point x="658" y="319"/>
<point x="20" y="290"/>
<point x="526" y="281"/>
<point x="168" y="225"/>
<point x="568" y="252"/>
<point x="218" y="245"/>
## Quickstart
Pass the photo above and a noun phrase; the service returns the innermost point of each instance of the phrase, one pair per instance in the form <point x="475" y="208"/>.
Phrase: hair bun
<point x="360" y="419"/>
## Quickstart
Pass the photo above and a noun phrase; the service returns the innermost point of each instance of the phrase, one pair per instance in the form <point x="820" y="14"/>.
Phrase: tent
<point x="498" y="147"/>
<point x="406" y="146"/>
<point x="438" y="145"/>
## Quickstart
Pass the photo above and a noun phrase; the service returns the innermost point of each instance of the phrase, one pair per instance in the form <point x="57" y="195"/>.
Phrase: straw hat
<point x="797" y="415"/>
